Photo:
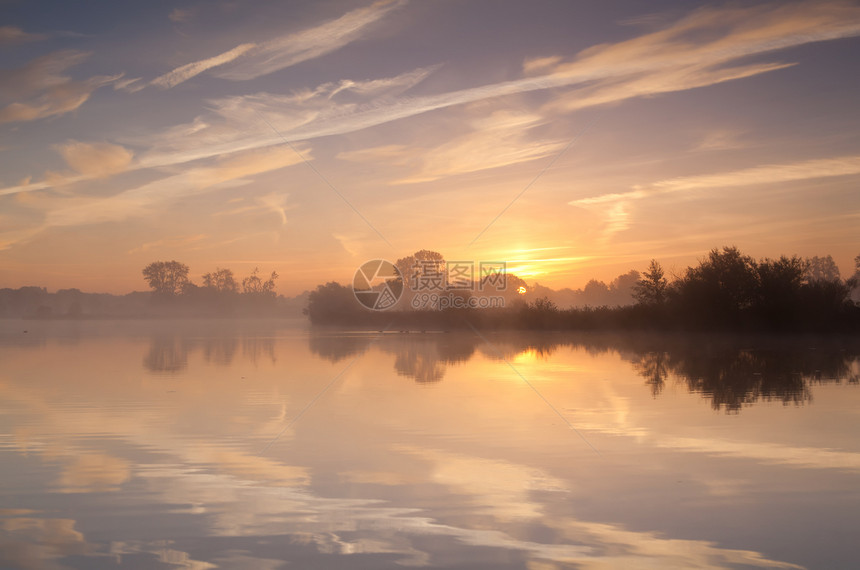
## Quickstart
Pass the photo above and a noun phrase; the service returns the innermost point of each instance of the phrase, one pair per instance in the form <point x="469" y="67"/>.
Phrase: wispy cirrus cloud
<point x="147" y="198"/>
<point x="616" y="207"/>
<point x="764" y="174"/>
<point x="502" y="139"/>
<point x="45" y="89"/>
<point x="10" y="35"/>
<point x="311" y="43"/>
<point x="691" y="53"/>
<point x="189" y="70"/>
<point x="180" y="15"/>
<point x="251" y="60"/>
<point x="172" y="242"/>
<point x="716" y="35"/>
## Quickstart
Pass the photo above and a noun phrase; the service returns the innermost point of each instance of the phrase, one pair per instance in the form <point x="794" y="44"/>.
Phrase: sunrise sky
<point x="571" y="139"/>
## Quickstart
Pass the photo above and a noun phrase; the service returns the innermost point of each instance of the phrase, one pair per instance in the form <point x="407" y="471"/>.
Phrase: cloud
<point x="251" y="163"/>
<point x="616" y="207"/>
<point x="692" y="52"/>
<point x="189" y="70"/>
<point x="711" y="36"/>
<point x="722" y="139"/>
<point x="501" y="139"/>
<point x="312" y="43"/>
<point x="276" y="202"/>
<point x="41" y="73"/>
<point x="172" y="243"/>
<point x="179" y="15"/>
<point x="12" y="35"/>
<point x="654" y="83"/>
<point x="498" y="140"/>
<point x="243" y="122"/>
<point x="257" y="59"/>
<point x="541" y="64"/>
<point x="392" y="153"/>
<point x="660" y="62"/>
<point x="127" y="85"/>
<point x="765" y="174"/>
<point x="95" y="160"/>
<point x="150" y="197"/>
<point x="51" y="92"/>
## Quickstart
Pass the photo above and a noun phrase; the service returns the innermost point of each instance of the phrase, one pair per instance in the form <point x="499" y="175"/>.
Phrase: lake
<point x="216" y="444"/>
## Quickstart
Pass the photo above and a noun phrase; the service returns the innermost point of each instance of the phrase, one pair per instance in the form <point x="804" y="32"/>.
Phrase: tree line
<point x="727" y="290"/>
<point x="730" y="290"/>
<point x="172" y="294"/>
<point x="220" y="292"/>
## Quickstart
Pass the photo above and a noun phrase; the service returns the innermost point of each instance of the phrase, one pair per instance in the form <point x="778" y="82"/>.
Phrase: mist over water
<point x="258" y="444"/>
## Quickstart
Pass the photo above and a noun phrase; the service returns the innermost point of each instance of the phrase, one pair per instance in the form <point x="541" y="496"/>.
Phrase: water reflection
<point x="147" y="450"/>
<point x="169" y="353"/>
<point x="725" y="371"/>
<point x="423" y="357"/>
<point x="732" y="377"/>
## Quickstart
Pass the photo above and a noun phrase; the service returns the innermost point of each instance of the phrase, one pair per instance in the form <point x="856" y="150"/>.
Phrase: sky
<point x="570" y="139"/>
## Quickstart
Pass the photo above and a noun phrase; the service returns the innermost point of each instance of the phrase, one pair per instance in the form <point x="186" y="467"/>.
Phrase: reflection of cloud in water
<point x="91" y="472"/>
<point x="218" y="487"/>
<point x="30" y="542"/>
<point x="495" y="487"/>
<point x="361" y="526"/>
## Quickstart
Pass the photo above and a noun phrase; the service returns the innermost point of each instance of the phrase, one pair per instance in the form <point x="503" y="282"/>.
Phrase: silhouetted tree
<point x="854" y="282"/>
<point x="779" y="285"/>
<point x="333" y="303"/>
<point x="253" y="285"/>
<point x="166" y="277"/>
<point x="720" y="288"/>
<point x="424" y="264"/>
<point x="221" y="280"/>
<point x="821" y="269"/>
<point x="651" y="287"/>
<point x="597" y="291"/>
<point x="621" y="289"/>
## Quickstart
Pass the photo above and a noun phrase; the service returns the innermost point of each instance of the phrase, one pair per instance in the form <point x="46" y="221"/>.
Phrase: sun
<point x="521" y="290"/>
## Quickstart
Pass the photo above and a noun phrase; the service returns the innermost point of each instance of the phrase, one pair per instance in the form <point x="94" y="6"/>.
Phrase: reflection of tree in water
<point x="170" y="353"/>
<point x="653" y="366"/>
<point x="422" y="357"/>
<point x="734" y="377"/>
<point x="166" y="354"/>
<point x="336" y="347"/>
<point x="425" y="359"/>
<point x="219" y="350"/>
<point x="255" y="348"/>
<point x="728" y="375"/>
<point x="419" y="363"/>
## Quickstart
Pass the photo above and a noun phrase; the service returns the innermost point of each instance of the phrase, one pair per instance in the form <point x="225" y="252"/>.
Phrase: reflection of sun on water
<point x="526" y="356"/>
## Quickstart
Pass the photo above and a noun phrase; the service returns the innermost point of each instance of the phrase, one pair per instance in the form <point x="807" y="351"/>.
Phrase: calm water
<point x="253" y="445"/>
